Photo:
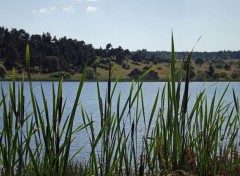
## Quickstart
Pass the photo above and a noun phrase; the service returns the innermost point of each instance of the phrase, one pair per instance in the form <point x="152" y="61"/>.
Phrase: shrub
<point x="146" y="67"/>
<point x="150" y="76"/>
<point x="200" y="76"/>
<point x="90" y="74"/>
<point x="59" y="75"/>
<point x="3" y="71"/>
<point x="106" y="67"/>
<point x="71" y="71"/>
<point x="216" y="76"/>
<point x="98" y="74"/>
<point x="155" y="61"/>
<point x="135" y="73"/>
<point x="20" y="71"/>
<point x="125" y="65"/>
<point x="34" y="69"/>
<point x="234" y="75"/>
<point x="227" y="67"/>
<point x="164" y="60"/>
<point x="223" y="75"/>
<point x="211" y="70"/>
<point x="199" y="61"/>
<point x="101" y="65"/>
<point x="219" y="66"/>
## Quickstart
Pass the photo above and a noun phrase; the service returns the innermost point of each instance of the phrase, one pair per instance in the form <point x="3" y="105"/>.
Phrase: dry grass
<point x="163" y="70"/>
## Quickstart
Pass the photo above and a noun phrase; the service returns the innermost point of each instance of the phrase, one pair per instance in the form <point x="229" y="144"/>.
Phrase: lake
<point x="89" y="100"/>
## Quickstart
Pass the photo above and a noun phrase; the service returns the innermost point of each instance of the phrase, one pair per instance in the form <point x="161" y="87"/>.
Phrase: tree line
<point x="65" y="54"/>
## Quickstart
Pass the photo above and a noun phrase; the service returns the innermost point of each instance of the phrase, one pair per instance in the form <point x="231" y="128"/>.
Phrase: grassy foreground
<point x="177" y="140"/>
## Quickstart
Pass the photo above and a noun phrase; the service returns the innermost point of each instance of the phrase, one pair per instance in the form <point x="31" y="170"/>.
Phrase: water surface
<point x="89" y="101"/>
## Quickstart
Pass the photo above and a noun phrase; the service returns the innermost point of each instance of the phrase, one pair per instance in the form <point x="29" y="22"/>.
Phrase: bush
<point x="199" y="61"/>
<point x="71" y="71"/>
<point x="146" y="67"/>
<point x="200" y="76"/>
<point x="90" y="74"/>
<point x="3" y="71"/>
<point x="219" y="66"/>
<point x="234" y="75"/>
<point x="34" y="69"/>
<point x="136" y="73"/>
<point x="227" y="67"/>
<point x="216" y="76"/>
<point x="59" y="75"/>
<point x="152" y="76"/>
<point x="223" y="75"/>
<point x="125" y="65"/>
<point x="155" y="61"/>
<point x="210" y="71"/>
<point x="20" y="71"/>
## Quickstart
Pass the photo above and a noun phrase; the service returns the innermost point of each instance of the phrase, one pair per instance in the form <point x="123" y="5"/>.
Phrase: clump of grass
<point x="77" y="168"/>
<point x="51" y="136"/>
<point x="177" y="140"/>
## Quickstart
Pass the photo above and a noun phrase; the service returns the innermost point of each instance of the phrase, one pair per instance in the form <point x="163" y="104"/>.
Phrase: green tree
<point x="12" y="55"/>
<point x="108" y="46"/>
<point x="211" y="71"/>
<point x="227" y="67"/>
<point x="50" y="64"/>
<point x="199" y="61"/>
<point x="90" y="73"/>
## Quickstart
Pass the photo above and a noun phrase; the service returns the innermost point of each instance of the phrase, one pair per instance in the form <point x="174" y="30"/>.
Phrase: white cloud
<point x="69" y="9"/>
<point x="91" y="9"/>
<point x="43" y="10"/>
<point x="53" y="8"/>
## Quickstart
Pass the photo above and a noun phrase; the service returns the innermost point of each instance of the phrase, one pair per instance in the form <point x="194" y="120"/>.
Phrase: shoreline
<point x="112" y="80"/>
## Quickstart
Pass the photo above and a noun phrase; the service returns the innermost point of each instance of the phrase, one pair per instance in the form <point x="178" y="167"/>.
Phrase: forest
<point x="49" y="54"/>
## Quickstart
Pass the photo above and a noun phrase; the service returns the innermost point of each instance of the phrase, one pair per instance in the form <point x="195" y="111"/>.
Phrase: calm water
<point x="89" y="100"/>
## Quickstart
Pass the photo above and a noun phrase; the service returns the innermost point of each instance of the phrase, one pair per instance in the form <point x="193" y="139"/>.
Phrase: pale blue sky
<point x="132" y="24"/>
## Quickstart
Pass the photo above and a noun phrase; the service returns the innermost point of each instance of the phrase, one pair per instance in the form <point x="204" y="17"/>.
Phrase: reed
<point x="177" y="139"/>
<point x="40" y="128"/>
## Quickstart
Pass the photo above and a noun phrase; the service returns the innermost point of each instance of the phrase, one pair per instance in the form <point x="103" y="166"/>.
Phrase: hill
<point x="52" y="57"/>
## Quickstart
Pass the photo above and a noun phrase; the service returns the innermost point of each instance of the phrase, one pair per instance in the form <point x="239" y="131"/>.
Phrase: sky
<point x="131" y="24"/>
